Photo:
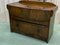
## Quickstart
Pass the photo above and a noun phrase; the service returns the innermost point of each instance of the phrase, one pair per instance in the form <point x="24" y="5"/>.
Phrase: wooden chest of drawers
<point x="34" y="19"/>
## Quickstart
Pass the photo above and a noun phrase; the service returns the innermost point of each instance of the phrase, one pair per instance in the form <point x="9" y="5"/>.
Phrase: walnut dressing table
<point x="35" y="19"/>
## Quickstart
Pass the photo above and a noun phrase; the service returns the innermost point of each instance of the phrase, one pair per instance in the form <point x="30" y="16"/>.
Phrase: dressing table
<point x="31" y="18"/>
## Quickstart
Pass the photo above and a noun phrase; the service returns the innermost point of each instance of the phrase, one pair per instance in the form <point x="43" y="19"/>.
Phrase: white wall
<point x="3" y="4"/>
<point x="57" y="15"/>
<point x="4" y="17"/>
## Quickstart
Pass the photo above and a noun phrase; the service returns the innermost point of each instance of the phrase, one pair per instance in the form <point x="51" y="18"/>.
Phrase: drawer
<point x="18" y="12"/>
<point x="38" y="31"/>
<point x="39" y="15"/>
<point x="14" y="11"/>
<point x="30" y="14"/>
<point x="28" y="29"/>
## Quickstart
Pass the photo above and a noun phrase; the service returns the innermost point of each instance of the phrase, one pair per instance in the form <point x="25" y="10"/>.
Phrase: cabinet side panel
<point x="51" y="26"/>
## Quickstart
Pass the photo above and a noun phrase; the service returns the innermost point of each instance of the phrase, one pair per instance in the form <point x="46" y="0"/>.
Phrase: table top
<point x="35" y="5"/>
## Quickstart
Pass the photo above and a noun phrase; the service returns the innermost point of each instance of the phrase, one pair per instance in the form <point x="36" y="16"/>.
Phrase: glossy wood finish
<point x="32" y="18"/>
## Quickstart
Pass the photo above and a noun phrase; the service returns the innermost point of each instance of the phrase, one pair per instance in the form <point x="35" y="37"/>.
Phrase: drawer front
<point x="38" y="31"/>
<point x="30" y="14"/>
<point x="40" y="15"/>
<point x="19" y="12"/>
<point x="28" y="29"/>
<point x="14" y="11"/>
<point x="37" y="15"/>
